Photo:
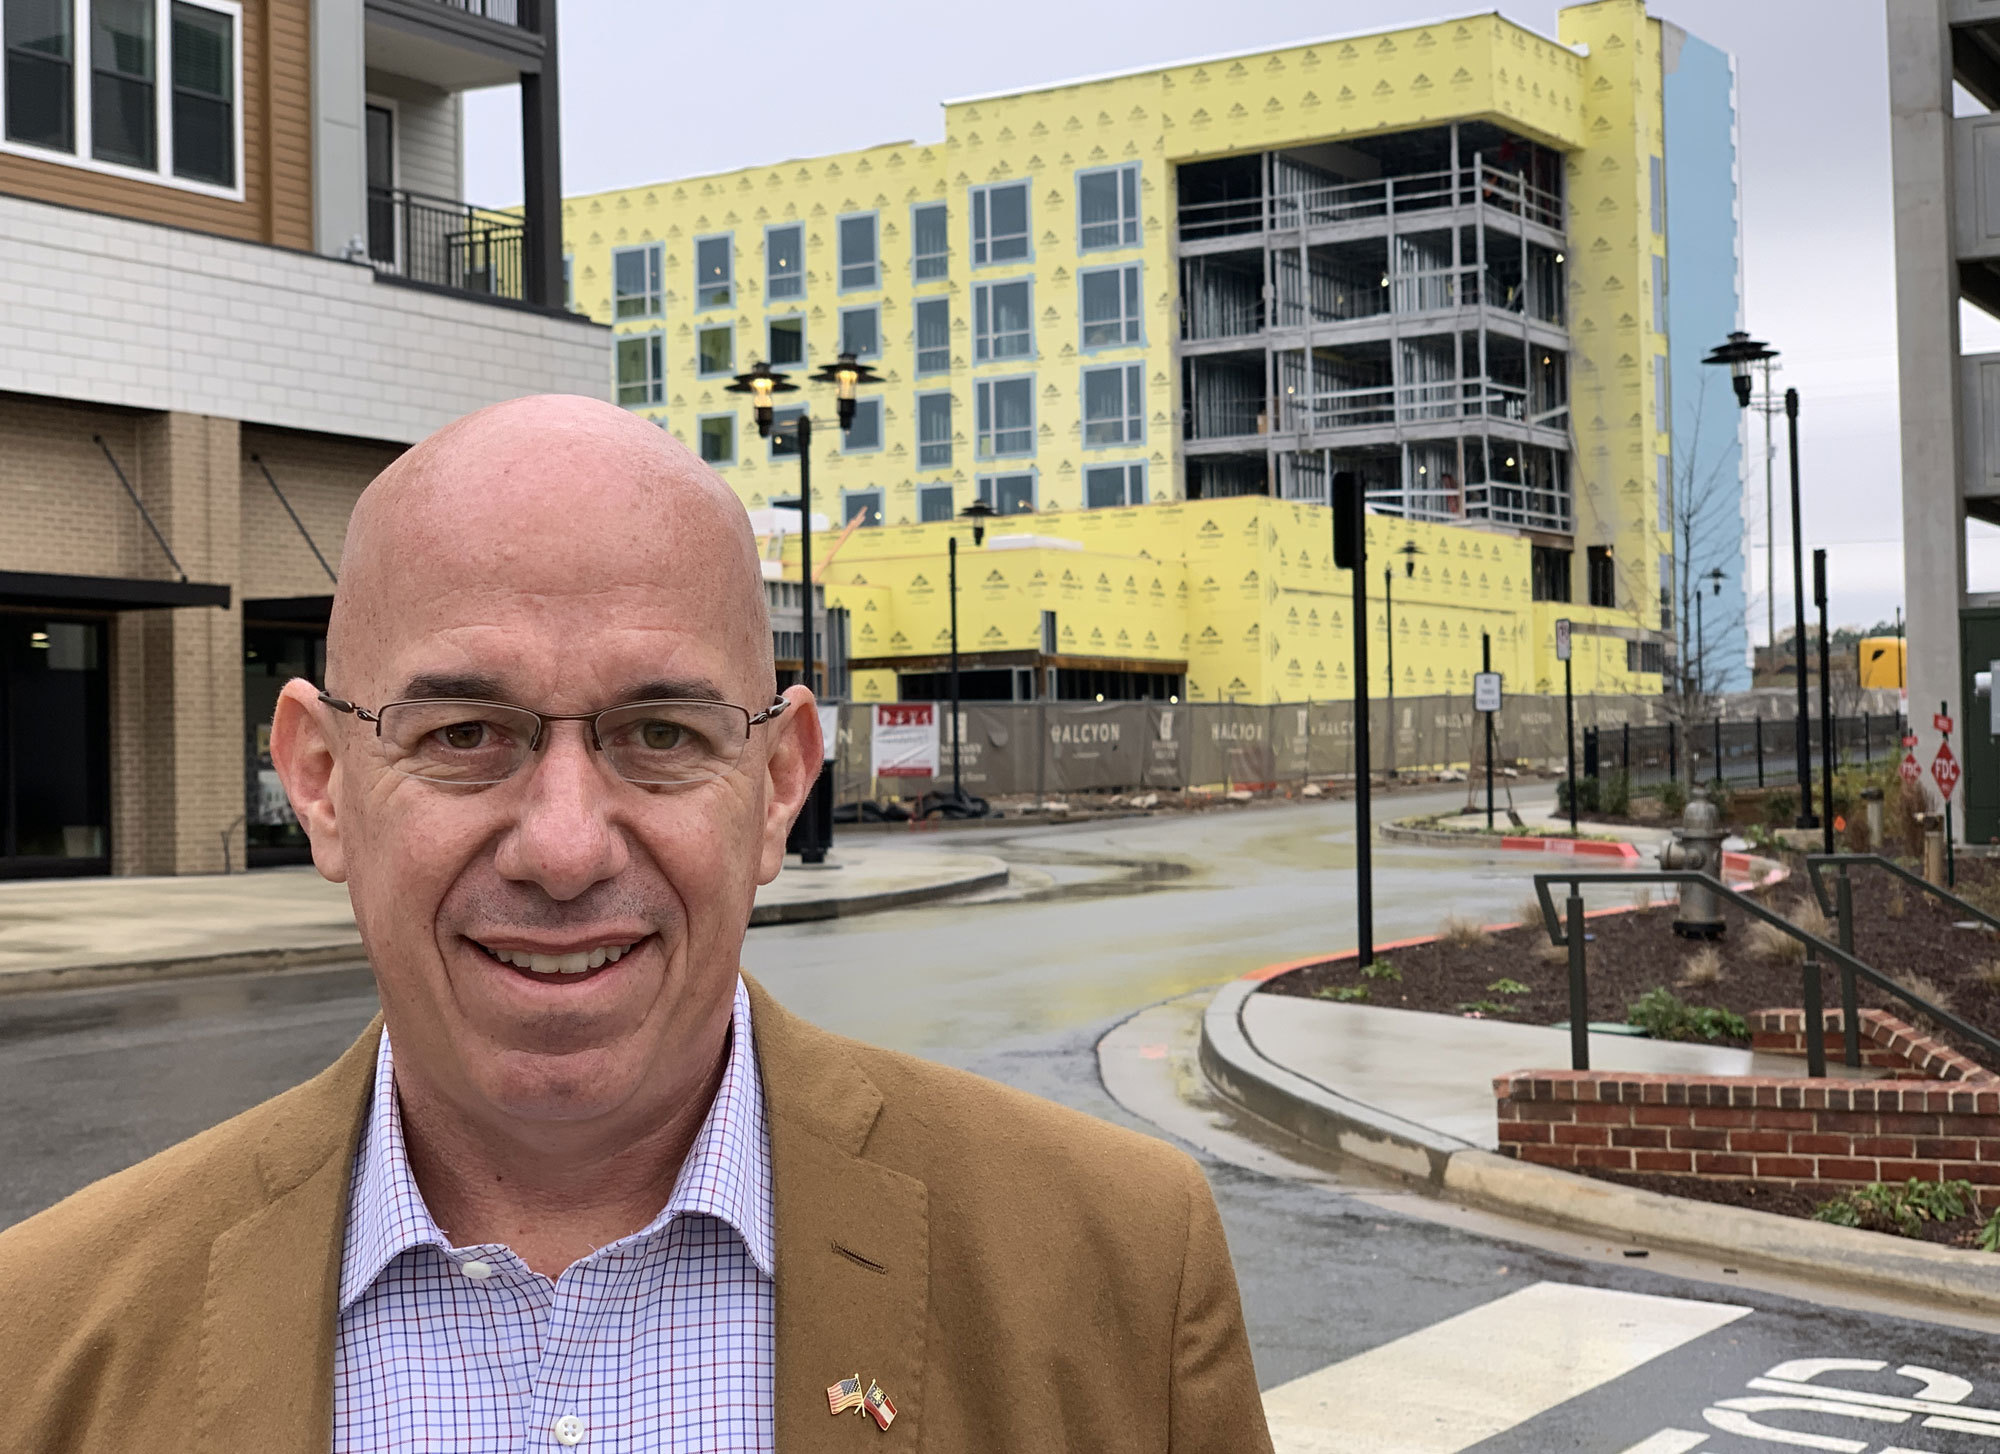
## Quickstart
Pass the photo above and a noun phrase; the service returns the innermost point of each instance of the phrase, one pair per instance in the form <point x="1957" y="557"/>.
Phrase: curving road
<point x="1444" y="1313"/>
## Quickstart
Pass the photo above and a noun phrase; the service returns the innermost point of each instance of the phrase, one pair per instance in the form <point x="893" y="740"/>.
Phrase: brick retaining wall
<point x="1887" y="1043"/>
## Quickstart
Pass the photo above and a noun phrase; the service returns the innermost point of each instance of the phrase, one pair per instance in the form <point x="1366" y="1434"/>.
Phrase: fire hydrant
<point x="1697" y="845"/>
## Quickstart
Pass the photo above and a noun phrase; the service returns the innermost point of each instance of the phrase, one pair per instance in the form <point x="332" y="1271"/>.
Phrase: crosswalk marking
<point x="1447" y="1387"/>
<point x="1669" y="1441"/>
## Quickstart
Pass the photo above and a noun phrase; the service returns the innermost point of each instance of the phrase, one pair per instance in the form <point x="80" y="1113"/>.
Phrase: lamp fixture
<point x="845" y="374"/>
<point x="978" y="512"/>
<point x="1739" y="354"/>
<point x="761" y="382"/>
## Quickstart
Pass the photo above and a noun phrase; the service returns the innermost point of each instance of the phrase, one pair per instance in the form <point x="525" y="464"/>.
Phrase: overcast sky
<point x="652" y="90"/>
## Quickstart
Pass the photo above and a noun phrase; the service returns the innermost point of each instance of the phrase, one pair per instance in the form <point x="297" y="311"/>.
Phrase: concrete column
<point x="177" y="675"/>
<point x="1920" y="136"/>
<point x="339" y="134"/>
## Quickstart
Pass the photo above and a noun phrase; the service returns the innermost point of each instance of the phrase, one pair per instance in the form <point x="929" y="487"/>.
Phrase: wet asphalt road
<point x="1021" y="984"/>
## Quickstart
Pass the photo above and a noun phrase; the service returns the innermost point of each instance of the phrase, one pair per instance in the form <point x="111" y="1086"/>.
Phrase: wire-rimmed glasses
<point x="464" y="742"/>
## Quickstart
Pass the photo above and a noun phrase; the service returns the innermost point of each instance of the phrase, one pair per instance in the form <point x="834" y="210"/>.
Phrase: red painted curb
<point x="1272" y="971"/>
<point x="1580" y="846"/>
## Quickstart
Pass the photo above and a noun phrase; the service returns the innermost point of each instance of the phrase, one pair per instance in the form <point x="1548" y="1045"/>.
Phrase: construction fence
<point x="1053" y="748"/>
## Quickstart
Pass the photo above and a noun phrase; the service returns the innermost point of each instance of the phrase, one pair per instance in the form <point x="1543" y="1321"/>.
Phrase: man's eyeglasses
<point x="473" y="744"/>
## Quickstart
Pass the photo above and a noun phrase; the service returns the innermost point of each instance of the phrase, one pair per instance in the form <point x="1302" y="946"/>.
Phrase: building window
<point x="718" y="439"/>
<point x="1107" y="207"/>
<point x="635" y="282"/>
<point x="1110" y="306"/>
<point x="785" y="432"/>
<point x="1658" y="175"/>
<point x="1114" y="406"/>
<point x="1659" y="294"/>
<point x="1667" y="592"/>
<point x="785" y="261"/>
<point x="714" y="272"/>
<point x="1646" y="656"/>
<point x="858" y="256"/>
<point x="1009" y="494"/>
<point x="865" y="433"/>
<point x="1111" y="485"/>
<point x="786" y="338"/>
<point x="204" y="110"/>
<point x="569" y="280"/>
<point x="122" y="77"/>
<point x="933" y="431"/>
<point x="1003" y="320"/>
<point x="1660" y="417"/>
<point x="1548" y="573"/>
<point x="1000" y="223"/>
<point x="861" y="331"/>
<point x="1006" y="417"/>
<point x="933" y="335"/>
<point x="865" y="503"/>
<point x="934" y="502"/>
<point x="715" y="349"/>
<point x="40" y="37"/>
<point x="930" y="242"/>
<point x="1603" y="576"/>
<point x="641" y="369"/>
<point x="1666" y="492"/>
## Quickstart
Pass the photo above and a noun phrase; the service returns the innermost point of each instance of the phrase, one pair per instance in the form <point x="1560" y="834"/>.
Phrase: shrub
<point x="1988" y="974"/>
<point x="1703" y="968"/>
<point x="1345" y="994"/>
<point x="1925" y="988"/>
<point x="1720" y="795"/>
<point x="1673" y="798"/>
<point x="1780" y="809"/>
<point x="1616" y="794"/>
<point x="1589" y="795"/>
<point x="1381" y="969"/>
<point x="1461" y="933"/>
<point x="1902" y="1209"/>
<point x="1530" y="913"/>
<point x="1665" y="1016"/>
<point x="1508" y="987"/>
<point x="1769" y="942"/>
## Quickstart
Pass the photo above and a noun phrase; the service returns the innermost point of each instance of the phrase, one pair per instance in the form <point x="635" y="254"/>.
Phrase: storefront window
<point x="272" y="656"/>
<point x="54" y="747"/>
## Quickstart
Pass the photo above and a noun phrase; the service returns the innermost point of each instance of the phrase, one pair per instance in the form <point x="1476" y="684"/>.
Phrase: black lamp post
<point x="1713" y="579"/>
<point x="1739" y="355"/>
<point x="1409" y="550"/>
<point x="978" y="512"/>
<point x="761" y="383"/>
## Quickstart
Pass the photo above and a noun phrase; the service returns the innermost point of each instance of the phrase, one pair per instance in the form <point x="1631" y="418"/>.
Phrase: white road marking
<point x="1669" y="1441"/>
<point x="1447" y="1387"/>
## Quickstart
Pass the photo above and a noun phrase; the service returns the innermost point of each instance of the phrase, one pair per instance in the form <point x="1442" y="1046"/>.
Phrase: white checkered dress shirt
<point x="661" y="1342"/>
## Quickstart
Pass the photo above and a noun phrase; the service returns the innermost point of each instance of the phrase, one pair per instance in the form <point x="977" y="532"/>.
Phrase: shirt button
<point x="569" y="1429"/>
<point x="477" y="1271"/>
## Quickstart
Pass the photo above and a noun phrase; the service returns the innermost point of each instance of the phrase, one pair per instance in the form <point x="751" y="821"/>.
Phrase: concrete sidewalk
<point x="56" y="932"/>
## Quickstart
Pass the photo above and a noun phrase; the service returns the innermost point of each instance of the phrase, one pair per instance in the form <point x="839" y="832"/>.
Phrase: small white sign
<point x="1486" y="691"/>
<point x="904" y="742"/>
<point x="829" y="729"/>
<point x="1562" y="639"/>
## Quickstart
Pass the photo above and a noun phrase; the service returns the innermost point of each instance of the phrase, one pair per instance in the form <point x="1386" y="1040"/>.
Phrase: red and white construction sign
<point x="904" y="740"/>
<point x="1910" y="771"/>
<point x="1944" y="769"/>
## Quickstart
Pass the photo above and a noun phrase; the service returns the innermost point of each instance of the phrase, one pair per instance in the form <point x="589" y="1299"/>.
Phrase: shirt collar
<point x="727" y="1174"/>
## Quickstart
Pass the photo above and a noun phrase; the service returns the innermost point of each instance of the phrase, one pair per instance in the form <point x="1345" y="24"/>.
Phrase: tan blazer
<point x="1018" y="1277"/>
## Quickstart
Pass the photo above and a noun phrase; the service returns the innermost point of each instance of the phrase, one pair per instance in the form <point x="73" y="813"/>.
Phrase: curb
<point x="1441" y="838"/>
<point x="349" y="951"/>
<point x="1448" y="1167"/>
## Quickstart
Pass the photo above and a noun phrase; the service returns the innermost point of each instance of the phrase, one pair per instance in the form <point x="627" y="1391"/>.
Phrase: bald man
<point x="583" y="1184"/>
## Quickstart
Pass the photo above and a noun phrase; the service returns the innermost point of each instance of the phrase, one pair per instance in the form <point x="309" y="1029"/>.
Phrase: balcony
<point x="1331" y="204"/>
<point x="446" y="244"/>
<point x="522" y="13"/>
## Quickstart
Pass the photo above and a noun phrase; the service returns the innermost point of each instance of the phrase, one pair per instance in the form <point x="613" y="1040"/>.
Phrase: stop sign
<point x="1944" y="769"/>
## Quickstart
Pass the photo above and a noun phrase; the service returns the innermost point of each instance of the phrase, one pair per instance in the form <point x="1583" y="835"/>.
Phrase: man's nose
<point x="563" y="838"/>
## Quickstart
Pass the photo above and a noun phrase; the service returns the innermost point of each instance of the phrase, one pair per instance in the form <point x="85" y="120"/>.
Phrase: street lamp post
<point x="1409" y="550"/>
<point x="761" y="382"/>
<point x="1713" y="579"/>
<point x="978" y="512"/>
<point x="1739" y="355"/>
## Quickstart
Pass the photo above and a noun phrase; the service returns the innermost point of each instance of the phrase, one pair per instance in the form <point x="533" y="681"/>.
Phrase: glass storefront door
<point x="272" y="656"/>
<point x="55" y="746"/>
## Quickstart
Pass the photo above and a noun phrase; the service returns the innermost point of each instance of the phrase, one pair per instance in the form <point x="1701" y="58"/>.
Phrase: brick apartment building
<point x="236" y="279"/>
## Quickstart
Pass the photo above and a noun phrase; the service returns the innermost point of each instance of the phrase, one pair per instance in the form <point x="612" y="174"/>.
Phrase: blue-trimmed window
<point x="1660" y="395"/>
<point x="1114" y="406"/>
<point x="716" y="434"/>
<point x="1005" y="410"/>
<point x="933" y="335"/>
<point x="865" y="503"/>
<point x="1665" y="489"/>
<point x="930" y="241"/>
<point x="1003" y="320"/>
<point x="1107" y="486"/>
<point x="865" y="433"/>
<point x="860" y="253"/>
<point x="715" y="349"/>
<point x="934" y="431"/>
<point x="715" y="271"/>
<point x="785" y="260"/>
<point x="1660" y="303"/>
<point x="1109" y="299"/>
<point x="934" y="502"/>
<point x="1107" y="207"/>
<point x="1000" y="214"/>
<point x="642" y="372"/>
<point x="636" y="290"/>
<point x="861" y="331"/>
<point x="1656" y="173"/>
<point x="785" y="341"/>
<point x="785" y="432"/>
<point x="569" y="280"/>
<point x="1009" y="494"/>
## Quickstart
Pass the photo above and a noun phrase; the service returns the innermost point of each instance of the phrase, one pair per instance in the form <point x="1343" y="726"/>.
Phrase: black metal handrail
<point x="446" y="243"/>
<point x="1843" y="911"/>
<point x="1573" y="938"/>
<point x="521" y="14"/>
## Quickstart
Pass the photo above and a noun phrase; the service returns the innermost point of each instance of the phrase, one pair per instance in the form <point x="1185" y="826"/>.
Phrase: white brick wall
<point x="109" y="311"/>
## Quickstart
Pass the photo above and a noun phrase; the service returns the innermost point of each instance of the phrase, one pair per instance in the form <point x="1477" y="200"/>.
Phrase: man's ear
<point x="793" y="760"/>
<point x="302" y="752"/>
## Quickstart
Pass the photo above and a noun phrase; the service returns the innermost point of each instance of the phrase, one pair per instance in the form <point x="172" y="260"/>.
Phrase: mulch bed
<point x="1904" y="933"/>
<point x="1784" y="1200"/>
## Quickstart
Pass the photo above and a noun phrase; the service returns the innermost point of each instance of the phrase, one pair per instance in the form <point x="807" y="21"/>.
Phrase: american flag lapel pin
<point x="880" y="1408"/>
<point x="845" y="1395"/>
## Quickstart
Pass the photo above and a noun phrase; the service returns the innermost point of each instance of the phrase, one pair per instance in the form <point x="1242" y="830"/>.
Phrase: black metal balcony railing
<point x="522" y="14"/>
<point x="445" y="243"/>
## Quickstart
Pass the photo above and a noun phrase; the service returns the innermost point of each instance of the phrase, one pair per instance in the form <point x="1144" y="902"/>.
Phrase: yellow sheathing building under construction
<point x="1147" y="316"/>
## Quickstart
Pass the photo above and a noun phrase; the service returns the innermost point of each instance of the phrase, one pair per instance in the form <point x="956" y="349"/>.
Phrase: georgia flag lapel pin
<point x="879" y="1405"/>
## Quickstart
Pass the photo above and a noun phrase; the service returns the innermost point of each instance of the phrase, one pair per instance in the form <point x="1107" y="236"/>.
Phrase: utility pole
<point x="1806" y="818"/>
<point x="1350" y="553"/>
<point x="1826" y="725"/>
